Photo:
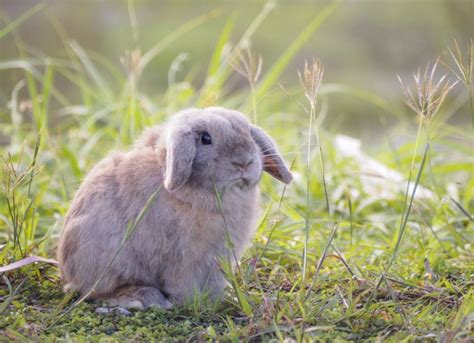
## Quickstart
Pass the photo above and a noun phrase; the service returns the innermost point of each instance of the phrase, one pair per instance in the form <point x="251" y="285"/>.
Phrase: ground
<point x="335" y="308"/>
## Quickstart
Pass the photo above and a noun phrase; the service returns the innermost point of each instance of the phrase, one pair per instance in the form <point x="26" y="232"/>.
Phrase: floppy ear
<point x="180" y="151"/>
<point x="272" y="161"/>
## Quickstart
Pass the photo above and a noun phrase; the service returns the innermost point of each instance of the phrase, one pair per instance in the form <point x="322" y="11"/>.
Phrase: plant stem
<point x="321" y="260"/>
<point x="229" y="241"/>
<point x="471" y="104"/>
<point x="321" y="163"/>
<point x="254" y="102"/>
<point x="402" y="228"/>
<point x="308" y="175"/>
<point x="412" y="165"/>
<point x="349" y="204"/>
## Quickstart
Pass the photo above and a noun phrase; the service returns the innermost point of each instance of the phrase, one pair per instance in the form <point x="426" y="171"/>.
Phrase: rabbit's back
<point x="111" y="195"/>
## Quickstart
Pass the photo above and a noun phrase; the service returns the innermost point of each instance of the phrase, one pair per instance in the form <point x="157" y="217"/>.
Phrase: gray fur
<point x="175" y="250"/>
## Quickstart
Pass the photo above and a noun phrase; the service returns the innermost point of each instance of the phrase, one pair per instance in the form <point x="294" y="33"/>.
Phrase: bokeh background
<point x="348" y="221"/>
<point x="363" y="45"/>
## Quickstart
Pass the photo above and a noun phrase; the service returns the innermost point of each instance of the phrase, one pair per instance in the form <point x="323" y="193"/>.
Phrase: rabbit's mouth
<point x="242" y="182"/>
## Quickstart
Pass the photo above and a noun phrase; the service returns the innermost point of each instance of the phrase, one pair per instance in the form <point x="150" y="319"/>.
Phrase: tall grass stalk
<point x="229" y="242"/>
<point x="272" y="76"/>
<point x="402" y="228"/>
<point x="430" y="95"/>
<point x="261" y="16"/>
<point x="274" y="225"/>
<point x="21" y="206"/>
<point x="219" y="66"/>
<point x="132" y="17"/>
<point x="412" y="167"/>
<point x="323" y="171"/>
<point x="131" y="61"/>
<point x="308" y="208"/>
<point x="165" y="42"/>
<point x="92" y="71"/>
<point x="310" y="80"/>
<point x="250" y="67"/>
<point x="464" y="69"/>
<point x="321" y="260"/>
<point x="11" y="26"/>
<point x="351" y="219"/>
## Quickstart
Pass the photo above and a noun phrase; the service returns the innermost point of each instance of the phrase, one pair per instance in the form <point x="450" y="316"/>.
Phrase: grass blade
<point x="213" y="84"/>
<point x="277" y="69"/>
<point x="216" y="60"/>
<point x="91" y="69"/>
<point x="321" y="260"/>
<point x="462" y="209"/>
<point x="402" y="228"/>
<point x="160" y="46"/>
<point x="18" y="21"/>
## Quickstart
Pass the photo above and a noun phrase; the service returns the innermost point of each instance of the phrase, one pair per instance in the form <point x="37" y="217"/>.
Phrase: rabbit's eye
<point x="206" y="138"/>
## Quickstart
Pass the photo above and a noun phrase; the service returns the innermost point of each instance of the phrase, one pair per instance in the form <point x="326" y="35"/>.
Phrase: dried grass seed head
<point x="428" y="94"/>
<point x="311" y="80"/>
<point x="247" y="64"/>
<point x="131" y="62"/>
<point x="464" y="66"/>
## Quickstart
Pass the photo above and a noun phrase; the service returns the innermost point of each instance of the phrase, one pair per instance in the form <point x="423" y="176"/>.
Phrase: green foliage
<point x="380" y="264"/>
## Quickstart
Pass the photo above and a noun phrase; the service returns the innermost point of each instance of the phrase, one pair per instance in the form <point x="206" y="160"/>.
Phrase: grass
<point x="331" y="259"/>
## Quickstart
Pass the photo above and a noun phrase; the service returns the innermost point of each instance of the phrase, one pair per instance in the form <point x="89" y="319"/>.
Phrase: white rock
<point x="377" y="179"/>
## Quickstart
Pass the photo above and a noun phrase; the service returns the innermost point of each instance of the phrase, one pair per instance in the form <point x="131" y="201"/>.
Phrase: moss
<point x="39" y="299"/>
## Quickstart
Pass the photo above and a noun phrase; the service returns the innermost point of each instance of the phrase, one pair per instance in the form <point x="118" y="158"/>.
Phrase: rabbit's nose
<point x="242" y="165"/>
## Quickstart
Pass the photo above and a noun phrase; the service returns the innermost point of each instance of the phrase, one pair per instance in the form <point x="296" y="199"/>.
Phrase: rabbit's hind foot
<point x="139" y="297"/>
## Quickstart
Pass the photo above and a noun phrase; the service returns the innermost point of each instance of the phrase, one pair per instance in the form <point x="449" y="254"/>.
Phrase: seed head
<point x="131" y="62"/>
<point x="463" y="66"/>
<point x="247" y="64"/>
<point x="429" y="94"/>
<point x="311" y="80"/>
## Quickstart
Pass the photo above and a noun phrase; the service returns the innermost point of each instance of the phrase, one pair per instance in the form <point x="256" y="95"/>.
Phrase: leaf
<point x="216" y="58"/>
<point x="277" y="69"/>
<point x="26" y="261"/>
<point x="91" y="69"/>
<point x="160" y="46"/>
<point x="216" y="73"/>
<point x="13" y="25"/>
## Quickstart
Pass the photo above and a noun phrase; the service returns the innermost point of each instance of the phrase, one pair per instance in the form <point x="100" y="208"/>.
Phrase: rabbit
<point x="174" y="252"/>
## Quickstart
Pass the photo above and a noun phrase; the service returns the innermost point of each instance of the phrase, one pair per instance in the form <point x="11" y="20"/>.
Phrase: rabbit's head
<point x="216" y="146"/>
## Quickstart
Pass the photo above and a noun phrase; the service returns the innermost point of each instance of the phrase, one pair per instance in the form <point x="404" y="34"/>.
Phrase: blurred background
<point x="363" y="45"/>
<point x="79" y="78"/>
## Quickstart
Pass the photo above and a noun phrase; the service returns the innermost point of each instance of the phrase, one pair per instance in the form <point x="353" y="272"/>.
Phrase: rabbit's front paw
<point x="139" y="297"/>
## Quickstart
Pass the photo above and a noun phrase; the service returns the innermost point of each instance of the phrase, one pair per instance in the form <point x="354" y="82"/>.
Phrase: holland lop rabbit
<point x="175" y="249"/>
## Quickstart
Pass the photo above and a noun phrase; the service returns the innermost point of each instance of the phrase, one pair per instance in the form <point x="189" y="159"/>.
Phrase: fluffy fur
<point x="174" y="251"/>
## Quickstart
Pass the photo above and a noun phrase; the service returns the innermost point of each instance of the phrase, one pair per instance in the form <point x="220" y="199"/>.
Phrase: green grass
<point x="394" y="268"/>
